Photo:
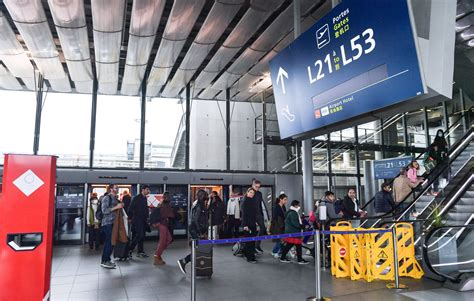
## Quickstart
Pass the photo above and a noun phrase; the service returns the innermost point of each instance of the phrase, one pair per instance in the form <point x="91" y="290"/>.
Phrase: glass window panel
<point x="346" y="135"/>
<point x="343" y="160"/>
<point x="416" y="129"/>
<point x="17" y="124"/>
<point x="393" y="131"/>
<point x="369" y="133"/>
<point x="165" y="133"/>
<point x="435" y="121"/>
<point x="65" y="128"/>
<point x="320" y="157"/>
<point x="117" y="140"/>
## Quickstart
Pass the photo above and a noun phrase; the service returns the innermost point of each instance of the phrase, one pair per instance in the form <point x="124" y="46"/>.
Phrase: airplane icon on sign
<point x="322" y="36"/>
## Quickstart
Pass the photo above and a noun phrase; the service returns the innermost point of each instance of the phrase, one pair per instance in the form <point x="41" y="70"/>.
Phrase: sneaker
<point x="142" y="255"/>
<point x="259" y="250"/>
<point x="302" y="261"/>
<point x="182" y="266"/>
<point x="108" y="265"/>
<point x="251" y="261"/>
<point x="285" y="260"/>
<point x="130" y="254"/>
<point x="276" y="255"/>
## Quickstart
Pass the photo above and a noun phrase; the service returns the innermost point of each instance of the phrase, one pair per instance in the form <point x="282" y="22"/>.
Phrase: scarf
<point x="297" y="209"/>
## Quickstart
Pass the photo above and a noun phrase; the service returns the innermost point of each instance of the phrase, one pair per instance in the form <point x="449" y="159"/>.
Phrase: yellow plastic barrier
<point x="370" y="256"/>
<point x="408" y="265"/>
<point x="340" y="248"/>
<point x="358" y="258"/>
<point x="380" y="257"/>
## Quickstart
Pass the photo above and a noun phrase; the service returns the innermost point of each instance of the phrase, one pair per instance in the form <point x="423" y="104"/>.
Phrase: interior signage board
<point x="360" y="57"/>
<point x="390" y="168"/>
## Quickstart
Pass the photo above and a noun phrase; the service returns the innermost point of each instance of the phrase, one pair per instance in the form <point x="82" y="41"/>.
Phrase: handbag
<point x="429" y="164"/>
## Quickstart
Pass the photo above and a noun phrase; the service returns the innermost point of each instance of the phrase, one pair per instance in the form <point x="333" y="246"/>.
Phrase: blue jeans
<point x="277" y="247"/>
<point x="108" y="248"/>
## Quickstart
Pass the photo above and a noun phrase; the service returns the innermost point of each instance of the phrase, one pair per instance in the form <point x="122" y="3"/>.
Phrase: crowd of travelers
<point x="241" y="215"/>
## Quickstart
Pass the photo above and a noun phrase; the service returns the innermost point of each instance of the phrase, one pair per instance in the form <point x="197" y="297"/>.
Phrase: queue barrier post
<point x="193" y="270"/>
<point x="317" y="268"/>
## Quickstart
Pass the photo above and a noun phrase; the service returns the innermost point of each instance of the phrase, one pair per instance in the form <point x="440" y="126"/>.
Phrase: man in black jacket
<point x="138" y="215"/>
<point x="260" y="218"/>
<point x="249" y="222"/>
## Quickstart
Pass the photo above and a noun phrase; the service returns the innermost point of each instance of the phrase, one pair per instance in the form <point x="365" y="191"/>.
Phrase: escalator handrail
<point x="422" y="154"/>
<point x="425" y="251"/>
<point x="393" y="213"/>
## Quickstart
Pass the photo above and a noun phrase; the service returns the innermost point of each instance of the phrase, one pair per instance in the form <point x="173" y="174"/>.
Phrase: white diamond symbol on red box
<point x="28" y="182"/>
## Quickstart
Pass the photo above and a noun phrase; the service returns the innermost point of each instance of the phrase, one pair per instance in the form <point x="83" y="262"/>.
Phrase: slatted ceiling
<point x="253" y="19"/>
<point x="8" y="81"/>
<point x="30" y="20"/>
<point x="107" y="21"/>
<point x="145" y="19"/>
<point x="70" y="23"/>
<point x="181" y="21"/>
<point x="211" y="30"/>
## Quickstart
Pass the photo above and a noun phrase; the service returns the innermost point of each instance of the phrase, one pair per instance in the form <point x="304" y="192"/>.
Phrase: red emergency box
<point x="26" y="227"/>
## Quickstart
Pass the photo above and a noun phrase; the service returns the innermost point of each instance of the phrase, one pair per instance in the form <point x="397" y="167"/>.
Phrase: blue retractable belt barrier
<point x="280" y="236"/>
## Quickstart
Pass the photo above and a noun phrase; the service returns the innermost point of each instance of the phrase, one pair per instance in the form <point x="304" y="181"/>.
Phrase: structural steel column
<point x="264" y="133"/>
<point x="188" y="115"/>
<point x="357" y="157"/>
<point x="329" y="155"/>
<point x="227" y="128"/>
<point x="405" y="133"/>
<point x="39" y="107"/>
<point x="446" y="120"/>
<point x="142" y="124"/>
<point x="463" y="109"/>
<point x="425" y="124"/>
<point x="95" y="87"/>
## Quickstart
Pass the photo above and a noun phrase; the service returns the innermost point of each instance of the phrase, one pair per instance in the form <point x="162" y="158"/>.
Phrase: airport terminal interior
<point x="236" y="150"/>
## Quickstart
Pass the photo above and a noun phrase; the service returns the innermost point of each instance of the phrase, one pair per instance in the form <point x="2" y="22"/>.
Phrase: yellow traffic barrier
<point x="340" y="247"/>
<point x="370" y="256"/>
<point x="358" y="256"/>
<point x="408" y="265"/>
<point x="380" y="257"/>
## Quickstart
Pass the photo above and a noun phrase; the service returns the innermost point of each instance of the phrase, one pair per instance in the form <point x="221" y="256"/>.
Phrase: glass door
<point x="69" y="214"/>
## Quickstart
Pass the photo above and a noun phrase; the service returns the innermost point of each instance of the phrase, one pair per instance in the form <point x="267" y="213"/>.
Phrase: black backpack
<point x="99" y="214"/>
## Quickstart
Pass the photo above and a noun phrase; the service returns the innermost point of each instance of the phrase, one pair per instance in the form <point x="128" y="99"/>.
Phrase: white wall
<point x="208" y="141"/>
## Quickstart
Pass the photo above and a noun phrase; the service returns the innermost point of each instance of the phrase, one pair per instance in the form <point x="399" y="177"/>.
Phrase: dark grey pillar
<point x="188" y="115"/>
<point x="463" y="110"/>
<point x="39" y="108"/>
<point x="446" y="120"/>
<point x="328" y="146"/>
<point x="264" y="133"/>
<point x="95" y="87"/>
<point x="405" y="134"/>
<point x="142" y="124"/>
<point x="425" y="124"/>
<point x="357" y="160"/>
<point x="227" y="128"/>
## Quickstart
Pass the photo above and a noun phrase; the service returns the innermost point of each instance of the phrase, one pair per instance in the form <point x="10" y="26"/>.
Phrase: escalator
<point x="448" y="253"/>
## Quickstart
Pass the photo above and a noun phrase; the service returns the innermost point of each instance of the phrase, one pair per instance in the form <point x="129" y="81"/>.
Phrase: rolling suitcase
<point x="204" y="261"/>
<point x="121" y="251"/>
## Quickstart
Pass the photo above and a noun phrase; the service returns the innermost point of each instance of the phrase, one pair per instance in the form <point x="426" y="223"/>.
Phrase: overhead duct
<point x="8" y="81"/>
<point x="214" y="26"/>
<point x="30" y="19"/>
<point x="146" y="16"/>
<point x="181" y="20"/>
<point x="13" y="55"/>
<point x="70" y="20"/>
<point x="107" y="20"/>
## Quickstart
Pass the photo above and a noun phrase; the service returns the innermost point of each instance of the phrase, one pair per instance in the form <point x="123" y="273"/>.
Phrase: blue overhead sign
<point x="390" y="168"/>
<point x="359" y="58"/>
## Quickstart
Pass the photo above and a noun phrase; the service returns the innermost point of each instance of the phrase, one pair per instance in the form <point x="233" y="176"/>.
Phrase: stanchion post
<point x="317" y="267"/>
<point x="193" y="270"/>
<point x="395" y="256"/>
<point x="324" y="248"/>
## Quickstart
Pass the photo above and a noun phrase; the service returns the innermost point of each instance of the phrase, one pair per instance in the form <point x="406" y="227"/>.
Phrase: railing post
<point x="193" y="270"/>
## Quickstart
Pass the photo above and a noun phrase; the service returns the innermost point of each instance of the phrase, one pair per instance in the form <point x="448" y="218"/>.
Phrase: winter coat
<point x="249" y="212"/>
<point x="349" y="208"/>
<point x="383" y="202"/>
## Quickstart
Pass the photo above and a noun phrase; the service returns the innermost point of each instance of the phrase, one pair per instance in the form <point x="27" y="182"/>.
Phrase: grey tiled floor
<point x="77" y="276"/>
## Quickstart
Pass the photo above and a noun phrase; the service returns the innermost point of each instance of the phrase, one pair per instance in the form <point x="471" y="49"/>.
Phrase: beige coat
<point x="402" y="186"/>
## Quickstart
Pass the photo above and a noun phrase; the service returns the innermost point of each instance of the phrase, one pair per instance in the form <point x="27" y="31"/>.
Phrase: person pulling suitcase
<point x="198" y="229"/>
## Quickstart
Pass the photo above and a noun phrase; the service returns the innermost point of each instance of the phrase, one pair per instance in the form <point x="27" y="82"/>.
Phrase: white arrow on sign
<point x="282" y="73"/>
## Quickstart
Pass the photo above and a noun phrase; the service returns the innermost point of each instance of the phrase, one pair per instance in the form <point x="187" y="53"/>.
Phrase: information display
<point x="390" y="168"/>
<point x="69" y="201"/>
<point x="359" y="58"/>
